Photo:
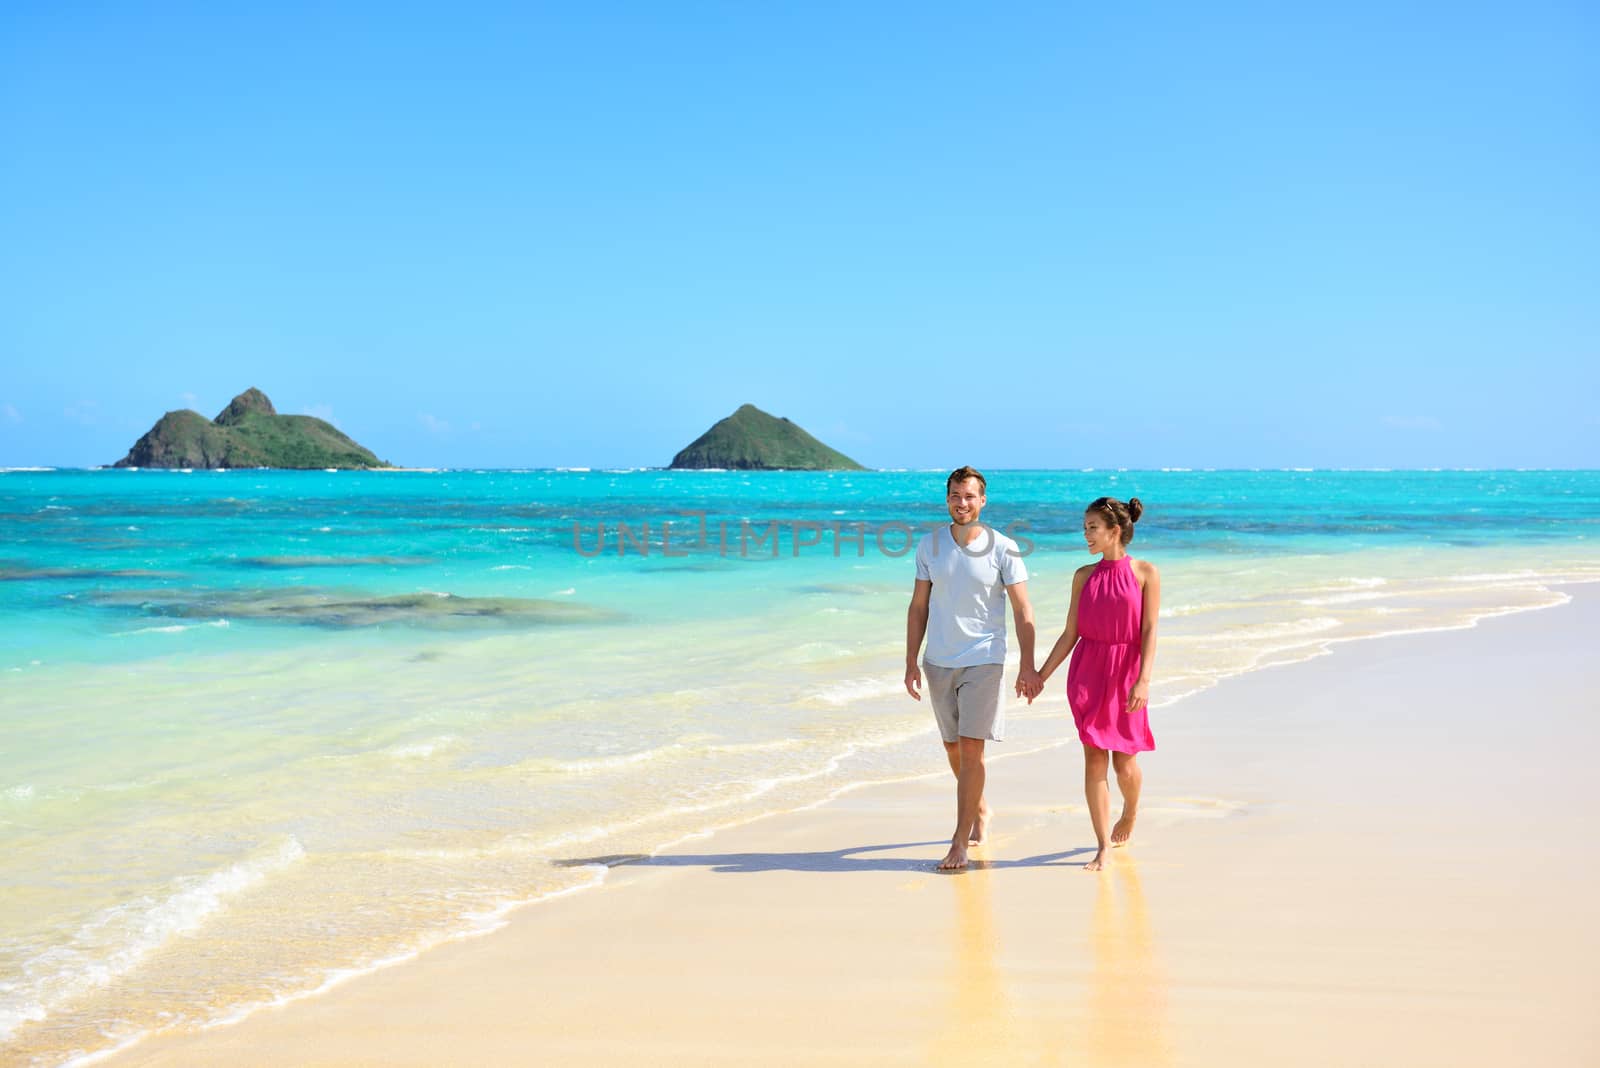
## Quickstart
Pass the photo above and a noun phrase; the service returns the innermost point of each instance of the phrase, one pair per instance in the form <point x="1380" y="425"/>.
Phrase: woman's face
<point x="1097" y="536"/>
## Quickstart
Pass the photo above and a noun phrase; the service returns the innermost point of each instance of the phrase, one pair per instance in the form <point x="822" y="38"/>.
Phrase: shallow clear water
<point x="258" y="729"/>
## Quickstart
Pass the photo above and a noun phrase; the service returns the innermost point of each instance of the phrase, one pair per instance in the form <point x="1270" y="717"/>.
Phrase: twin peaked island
<point x="249" y="432"/>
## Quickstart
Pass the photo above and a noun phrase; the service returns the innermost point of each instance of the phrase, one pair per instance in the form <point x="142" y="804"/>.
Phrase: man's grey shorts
<point x="966" y="700"/>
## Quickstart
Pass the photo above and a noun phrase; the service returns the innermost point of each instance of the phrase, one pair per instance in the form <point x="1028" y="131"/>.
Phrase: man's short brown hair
<point x="961" y="474"/>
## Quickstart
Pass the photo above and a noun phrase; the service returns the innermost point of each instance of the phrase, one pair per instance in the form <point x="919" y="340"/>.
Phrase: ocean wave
<point x="1344" y="598"/>
<point x="595" y="765"/>
<point x="475" y="923"/>
<point x="171" y="628"/>
<point x="114" y="942"/>
<point x="1174" y="611"/>
<point x="850" y="691"/>
<point x="424" y="749"/>
<point x="1260" y="632"/>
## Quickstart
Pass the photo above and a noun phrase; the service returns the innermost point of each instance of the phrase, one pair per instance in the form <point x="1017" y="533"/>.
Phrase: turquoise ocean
<point x="262" y="731"/>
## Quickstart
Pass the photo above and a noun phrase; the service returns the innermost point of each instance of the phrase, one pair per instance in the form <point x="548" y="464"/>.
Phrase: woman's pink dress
<point x="1105" y="662"/>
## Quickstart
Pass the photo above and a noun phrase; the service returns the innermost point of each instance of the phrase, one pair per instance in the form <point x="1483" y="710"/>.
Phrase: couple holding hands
<point x="965" y="574"/>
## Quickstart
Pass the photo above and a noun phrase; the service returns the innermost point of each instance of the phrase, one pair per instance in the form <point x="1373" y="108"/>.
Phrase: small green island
<point x="249" y="432"/>
<point x="752" y="440"/>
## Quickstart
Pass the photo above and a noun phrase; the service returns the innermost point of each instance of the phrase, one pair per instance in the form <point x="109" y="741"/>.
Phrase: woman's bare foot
<point x="1123" y="830"/>
<point x="954" y="860"/>
<point x="1098" y="862"/>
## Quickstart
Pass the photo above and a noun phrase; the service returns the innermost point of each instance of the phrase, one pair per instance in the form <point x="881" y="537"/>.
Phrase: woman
<point x="1111" y="637"/>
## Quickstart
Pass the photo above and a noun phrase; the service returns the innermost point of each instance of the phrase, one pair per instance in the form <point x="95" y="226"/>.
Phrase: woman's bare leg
<point x="1129" y="780"/>
<point x="1096" y="762"/>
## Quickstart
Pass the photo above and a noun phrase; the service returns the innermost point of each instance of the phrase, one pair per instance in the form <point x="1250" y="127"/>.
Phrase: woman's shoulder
<point x="1144" y="568"/>
<point x="1082" y="574"/>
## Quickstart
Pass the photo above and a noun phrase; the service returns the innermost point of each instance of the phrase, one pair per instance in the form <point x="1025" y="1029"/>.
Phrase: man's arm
<point x="916" y="630"/>
<point x="1028" y="682"/>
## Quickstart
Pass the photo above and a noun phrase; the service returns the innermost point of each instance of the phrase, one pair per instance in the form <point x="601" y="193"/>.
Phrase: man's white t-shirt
<point x="967" y="605"/>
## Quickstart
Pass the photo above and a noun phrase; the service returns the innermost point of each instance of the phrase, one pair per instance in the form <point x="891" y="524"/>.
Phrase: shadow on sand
<point x="834" y="860"/>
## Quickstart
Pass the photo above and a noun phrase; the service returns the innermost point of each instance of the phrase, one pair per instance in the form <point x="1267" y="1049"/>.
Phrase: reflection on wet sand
<point x="1127" y="995"/>
<point x="978" y="1020"/>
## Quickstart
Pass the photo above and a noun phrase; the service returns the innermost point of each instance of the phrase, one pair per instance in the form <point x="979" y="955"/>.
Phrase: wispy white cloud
<point x="1411" y="422"/>
<point x="432" y="424"/>
<point x="10" y="414"/>
<point x="189" y="400"/>
<point x="86" y="413"/>
<point x="320" y="411"/>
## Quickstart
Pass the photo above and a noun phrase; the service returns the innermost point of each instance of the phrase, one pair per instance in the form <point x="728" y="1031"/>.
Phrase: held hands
<point x="914" y="680"/>
<point x="1030" y="683"/>
<point x="1139" y="696"/>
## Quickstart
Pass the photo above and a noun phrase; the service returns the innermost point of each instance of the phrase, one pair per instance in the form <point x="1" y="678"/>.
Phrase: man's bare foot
<point x="954" y="860"/>
<point x="1098" y="862"/>
<point x="980" y="828"/>
<point x="1123" y="830"/>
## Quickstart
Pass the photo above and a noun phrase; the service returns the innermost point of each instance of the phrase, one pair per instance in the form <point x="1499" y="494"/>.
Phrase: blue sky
<point x="1035" y="236"/>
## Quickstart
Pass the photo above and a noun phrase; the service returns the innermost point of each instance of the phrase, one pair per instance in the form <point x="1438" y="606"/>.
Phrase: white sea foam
<point x="593" y="765"/>
<point x="422" y="750"/>
<point x="1177" y="610"/>
<point x="1194" y="807"/>
<point x="1344" y="598"/>
<point x="511" y="567"/>
<point x="859" y="689"/>
<point x="476" y="923"/>
<point x="1260" y="632"/>
<point x="119" y="938"/>
<point x="169" y="628"/>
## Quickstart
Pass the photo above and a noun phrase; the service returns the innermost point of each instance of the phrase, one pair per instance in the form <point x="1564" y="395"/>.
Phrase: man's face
<point x="965" y="500"/>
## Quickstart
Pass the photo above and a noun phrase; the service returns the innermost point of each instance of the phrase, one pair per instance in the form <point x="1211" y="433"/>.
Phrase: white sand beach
<point x="1376" y="857"/>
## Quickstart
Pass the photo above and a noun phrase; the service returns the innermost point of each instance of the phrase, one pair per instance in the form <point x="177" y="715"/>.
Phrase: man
<point x="958" y="606"/>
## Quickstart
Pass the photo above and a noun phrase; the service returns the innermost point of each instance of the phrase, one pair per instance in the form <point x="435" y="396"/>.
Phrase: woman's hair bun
<point x="1135" y="508"/>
